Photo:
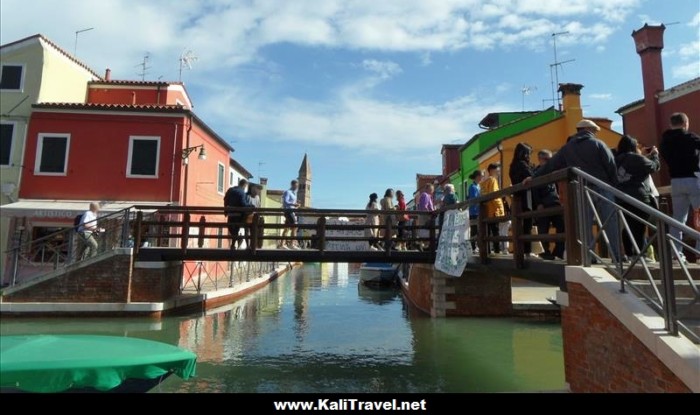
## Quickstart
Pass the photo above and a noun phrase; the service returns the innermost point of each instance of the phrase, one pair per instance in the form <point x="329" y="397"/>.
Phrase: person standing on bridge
<point x="236" y="198"/>
<point x="585" y="151"/>
<point x="633" y="170"/>
<point x="680" y="149"/>
<point x="372" y="222"/>
<point x="521" y="169"/>
<point x="87" y="231"/>
<point x="253" y="199"/>
<point x="387" y="203"/>
<point x="425" y="204"/>
<point x="473" y="192"/>
<point x="402" y="218"/>
<point x="494" y="208"/>
<point x="543" y="197"/>
<point x="289" y="203"/>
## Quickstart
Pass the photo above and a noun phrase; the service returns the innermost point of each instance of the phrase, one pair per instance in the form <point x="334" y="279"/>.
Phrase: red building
<point x="647" y="118"/>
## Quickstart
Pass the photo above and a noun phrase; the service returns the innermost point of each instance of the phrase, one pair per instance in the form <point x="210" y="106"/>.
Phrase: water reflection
<point x="316" y="330"/>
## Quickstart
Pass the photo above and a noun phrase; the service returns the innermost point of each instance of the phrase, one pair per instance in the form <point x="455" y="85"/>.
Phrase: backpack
<point x="76" y="221"/>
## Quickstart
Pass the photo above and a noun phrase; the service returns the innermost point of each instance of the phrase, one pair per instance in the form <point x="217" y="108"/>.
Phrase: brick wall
<point x="156" y="284"/>
<point x="104" y="281"/>
<point x="601" y="355"/>
<point x="480" y="292"/>
<point x="419" y="286"/>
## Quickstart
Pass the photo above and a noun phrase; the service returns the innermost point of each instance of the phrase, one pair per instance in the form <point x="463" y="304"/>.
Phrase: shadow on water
<point x="316" y="330"/>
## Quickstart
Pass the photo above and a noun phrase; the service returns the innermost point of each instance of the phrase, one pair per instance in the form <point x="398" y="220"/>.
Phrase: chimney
<point x="571" y="103"/>
<point x="649" y="41"/>
<point x="108" y="75"/>
<point x="263" y="181"/>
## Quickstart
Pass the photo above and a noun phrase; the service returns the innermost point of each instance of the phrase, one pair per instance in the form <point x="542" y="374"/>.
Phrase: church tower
<point x="304" y="193"/>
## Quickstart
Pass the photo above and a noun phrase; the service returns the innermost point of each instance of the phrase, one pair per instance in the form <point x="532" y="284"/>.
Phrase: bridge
<point x="160" y="250"/>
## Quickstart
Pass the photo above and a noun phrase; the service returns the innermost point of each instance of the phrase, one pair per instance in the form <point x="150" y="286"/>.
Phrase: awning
<point x="63" y="209"/>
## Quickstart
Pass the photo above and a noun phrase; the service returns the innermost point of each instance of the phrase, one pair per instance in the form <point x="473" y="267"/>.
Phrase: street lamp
<point x="186" y="153"/>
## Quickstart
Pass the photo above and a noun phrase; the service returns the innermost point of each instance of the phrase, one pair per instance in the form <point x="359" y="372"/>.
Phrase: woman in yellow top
<point x="493" y="208"/>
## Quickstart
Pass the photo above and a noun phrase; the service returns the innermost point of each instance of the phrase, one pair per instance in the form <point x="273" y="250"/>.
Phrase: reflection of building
<point x="33" y="70"/>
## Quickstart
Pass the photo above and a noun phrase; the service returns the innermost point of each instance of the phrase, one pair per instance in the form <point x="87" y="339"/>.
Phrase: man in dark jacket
<point x="236" y="197"/>
<point x="680" y="149"/>
<point x="585" y="151"/>
<point x="546" y="197"/>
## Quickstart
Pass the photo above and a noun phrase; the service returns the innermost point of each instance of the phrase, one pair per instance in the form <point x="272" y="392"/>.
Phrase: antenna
<point x="527" y="90"/>
<point x="260" y="164"/>
<point x="77" y="32"/>
<point x="554" y="68"/>
<point x="187" y="58"/>
<point x="144" y="66"/>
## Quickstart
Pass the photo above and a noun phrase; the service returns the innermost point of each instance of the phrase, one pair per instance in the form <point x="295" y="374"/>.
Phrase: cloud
<point x="384" y="69"/>
<point x="687" y="70"/>
<point x="606" y="96"/>
<point x="695" y="21"/>
<point x="689" y="50"/>
<point x="425" y="59"/>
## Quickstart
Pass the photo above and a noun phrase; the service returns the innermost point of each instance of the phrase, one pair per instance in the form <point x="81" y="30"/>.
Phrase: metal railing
<point x="215" y="275"/>
<point x="35" y="258"/>
<point x="589" y="204"/>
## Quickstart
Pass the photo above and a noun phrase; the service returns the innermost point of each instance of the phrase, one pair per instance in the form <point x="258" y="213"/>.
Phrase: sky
<point x="369" y="89"/>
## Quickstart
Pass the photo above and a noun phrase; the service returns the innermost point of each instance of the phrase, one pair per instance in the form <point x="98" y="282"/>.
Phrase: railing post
<point x="254" y="230"/>
<point x="387" y="235"/>
<point x="184" y="238"/>
<point x="137" y="231"/>
<point x="584" y="223"/>
<point x="125" y="228"/>
<point x="15" y="264"/>
<point x="516" y="211"/>
<point x="482" y="231"/>
<point x="202" y="231"/>
<point x="567" y="197"/>
<point x="667" y="283"/>
<point x="432" y="232"/>
<point x="321" y="233"/>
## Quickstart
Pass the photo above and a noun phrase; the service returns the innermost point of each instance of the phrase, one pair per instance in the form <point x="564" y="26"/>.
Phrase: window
<point x="52" y="154"/>
<point x="221" y="179"/>
<point x="6" y="132"/>
<point x="231" y="178"/>
<point x="142" y="162"/>
<point x="11" y="77"/>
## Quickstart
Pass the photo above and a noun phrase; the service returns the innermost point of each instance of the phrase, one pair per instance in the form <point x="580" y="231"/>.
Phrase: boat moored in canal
<point x="86" y="363"/>
<point x="378" y="273"/>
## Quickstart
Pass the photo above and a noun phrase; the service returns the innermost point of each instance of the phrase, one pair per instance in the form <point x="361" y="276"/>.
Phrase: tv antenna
<point x="187" y="58"/>
<point x="144" y="66"/>
<point x="260" y="164"/>
<point x="527" y="90"/>
<point x="77" y="32"/>
<point x="554" y="69"/>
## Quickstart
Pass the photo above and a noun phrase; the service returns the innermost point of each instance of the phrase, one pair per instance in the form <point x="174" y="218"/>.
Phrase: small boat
<point x="378" y="295"/>
<point x="85" y="363"/>
<point x="378" y="273"/>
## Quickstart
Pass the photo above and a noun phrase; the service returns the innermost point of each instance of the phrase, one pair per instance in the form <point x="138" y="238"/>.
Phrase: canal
<point x="316" y="330"/>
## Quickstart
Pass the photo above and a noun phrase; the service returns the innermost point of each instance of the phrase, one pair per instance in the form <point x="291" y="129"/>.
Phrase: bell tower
<point x="304" y="193"/>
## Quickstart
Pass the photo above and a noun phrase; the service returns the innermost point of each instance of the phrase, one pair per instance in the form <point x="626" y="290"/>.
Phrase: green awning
<point x="55" y="363"/>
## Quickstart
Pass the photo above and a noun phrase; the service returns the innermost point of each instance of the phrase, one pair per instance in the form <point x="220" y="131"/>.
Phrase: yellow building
<point x="32" y="70"/>
<point x="550" y="135"/>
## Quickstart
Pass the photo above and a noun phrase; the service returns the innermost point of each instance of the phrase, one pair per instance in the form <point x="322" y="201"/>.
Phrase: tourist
<point x="450" y="198"/>
<point x="387" y="203"/>
<point x="633" y="172"/>
<point x="585" y="151"/>
<point x="236" y="198"/>
<point x="253" y="199"/>
<point x="289" y="204"/>
<point x="520" y="169"/>
<point x="473" y="192"/>
<point x="680" y="150"/>
<point x="372" y="222"/>
<point x="494" y="208"/>
<point x="402" y="219"/>
<point x="543" y="197"/>
<point x="88" y="231"/>
<point x="425" y="204"/>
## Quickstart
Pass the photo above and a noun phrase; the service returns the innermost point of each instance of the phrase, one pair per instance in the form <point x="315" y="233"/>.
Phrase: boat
<point x="87" y="363"/>
<point x="378" y="295"/>
<point x="378" y="273"/>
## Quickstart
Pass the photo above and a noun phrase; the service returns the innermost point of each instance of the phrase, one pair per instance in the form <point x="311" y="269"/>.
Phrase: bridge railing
<point x="597" y="219"/>
<point x="32" y="258"/>
<point x="323" y="230"/>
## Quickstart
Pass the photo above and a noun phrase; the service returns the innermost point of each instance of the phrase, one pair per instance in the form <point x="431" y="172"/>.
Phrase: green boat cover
<point x="55" y="363"/>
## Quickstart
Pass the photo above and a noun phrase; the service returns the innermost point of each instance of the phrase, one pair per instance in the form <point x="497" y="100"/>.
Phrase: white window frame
<point x="40" y="149"/>
<point x="220" y="168"/>
<point x="21" y="81"/>
<point x="231" y="177"/>
<point x="12" y="141"/>
<point x="132" y="138"/>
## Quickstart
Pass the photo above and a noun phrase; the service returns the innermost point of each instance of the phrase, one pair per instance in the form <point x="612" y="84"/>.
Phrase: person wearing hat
<point x="585" y="151"/>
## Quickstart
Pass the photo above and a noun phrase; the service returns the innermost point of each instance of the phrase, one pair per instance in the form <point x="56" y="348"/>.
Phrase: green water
<point x="316" y="330"/>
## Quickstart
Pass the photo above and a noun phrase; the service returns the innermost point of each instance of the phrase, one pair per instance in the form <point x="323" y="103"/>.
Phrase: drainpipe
<point x="172" y="170"/>
<point x="187" y="166"/>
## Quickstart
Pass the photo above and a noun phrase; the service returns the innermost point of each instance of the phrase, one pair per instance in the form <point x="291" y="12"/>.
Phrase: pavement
<point x="533" y="296"/>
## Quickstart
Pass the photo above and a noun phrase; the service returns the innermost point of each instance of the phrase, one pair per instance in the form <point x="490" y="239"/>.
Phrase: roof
<point x="62" y="51"/>
<point x="676" y="91"/>
<point x="238" y="166"/>
<point x="66" y="208"/>
<point x="501" y="128"/>
<point x="629" y="106"/>
<point x="492" y="120"/>
<point x="505" y="137"/>
<point x="305" y="169"/>
<point x="450" y="147"/>
<point x="132" y="82"/>
<point x="162" y="109"/>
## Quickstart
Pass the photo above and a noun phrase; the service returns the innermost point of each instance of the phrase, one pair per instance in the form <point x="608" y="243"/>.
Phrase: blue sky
<point x="369" y="89"/>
